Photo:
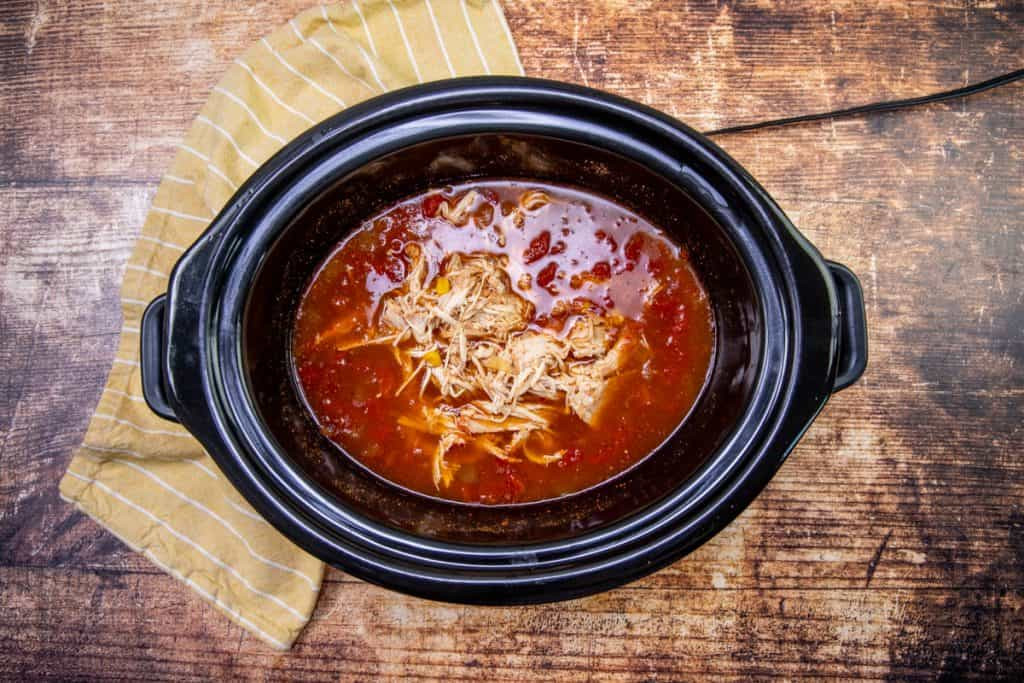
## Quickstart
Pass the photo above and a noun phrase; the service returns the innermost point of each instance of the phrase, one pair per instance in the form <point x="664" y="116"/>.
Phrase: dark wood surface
<point x="891" y="544"/>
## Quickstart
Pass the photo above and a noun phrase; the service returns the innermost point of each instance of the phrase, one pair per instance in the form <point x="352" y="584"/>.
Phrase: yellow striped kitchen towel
<point x="147" y="480"/>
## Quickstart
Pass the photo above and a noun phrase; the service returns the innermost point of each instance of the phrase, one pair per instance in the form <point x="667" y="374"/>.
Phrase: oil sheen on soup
<point x="503" y="341"/>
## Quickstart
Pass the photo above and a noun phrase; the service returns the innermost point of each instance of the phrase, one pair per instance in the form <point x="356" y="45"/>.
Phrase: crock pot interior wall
<point x="295" y="256"/>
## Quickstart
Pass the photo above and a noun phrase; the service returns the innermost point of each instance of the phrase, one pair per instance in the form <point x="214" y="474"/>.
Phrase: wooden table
<point x="891" y="544"/>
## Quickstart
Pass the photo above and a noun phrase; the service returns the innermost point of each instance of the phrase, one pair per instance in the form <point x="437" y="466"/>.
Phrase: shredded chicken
<point x="459" y="212"/>
<point x="590" y="336"/>
<point x="531" y="200"/>
<point x="586" y="384"/>
<point x="466" y="335"/>
<point x="444" y="471"/>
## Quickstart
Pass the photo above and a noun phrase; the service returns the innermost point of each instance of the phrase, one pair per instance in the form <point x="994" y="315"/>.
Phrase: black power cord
<point x="890" y="105"/>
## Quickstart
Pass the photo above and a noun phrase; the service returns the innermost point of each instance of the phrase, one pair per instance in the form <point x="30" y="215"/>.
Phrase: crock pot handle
<point x="853" y="327"/>
<point x="153" y="343"/>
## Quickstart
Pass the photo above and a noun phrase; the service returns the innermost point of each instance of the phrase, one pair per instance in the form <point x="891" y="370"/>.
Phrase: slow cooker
<point x="790" y="331"/>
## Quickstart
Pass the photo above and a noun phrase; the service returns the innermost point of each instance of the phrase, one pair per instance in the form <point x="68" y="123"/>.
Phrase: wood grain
<point x="890" y="545"/>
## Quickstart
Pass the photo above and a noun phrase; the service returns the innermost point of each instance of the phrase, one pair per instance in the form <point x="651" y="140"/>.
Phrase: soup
<point x="502" y="341"/>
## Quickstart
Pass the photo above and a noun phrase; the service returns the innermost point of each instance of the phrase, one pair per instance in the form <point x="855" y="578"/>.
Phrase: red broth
<point x="580" y="250"/>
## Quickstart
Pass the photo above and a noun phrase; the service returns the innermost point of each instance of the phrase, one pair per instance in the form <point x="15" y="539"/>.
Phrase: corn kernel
<point x="443" y="286"/>
<point x="433" y="358"/>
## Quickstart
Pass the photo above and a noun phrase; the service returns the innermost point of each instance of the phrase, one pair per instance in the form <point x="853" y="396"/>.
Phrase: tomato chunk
<point x="538" y="248"/>
<point x="430" y="205"/>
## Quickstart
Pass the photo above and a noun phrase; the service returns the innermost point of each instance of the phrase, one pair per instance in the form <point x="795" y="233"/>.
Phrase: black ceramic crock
<point x="790" y="331"/>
